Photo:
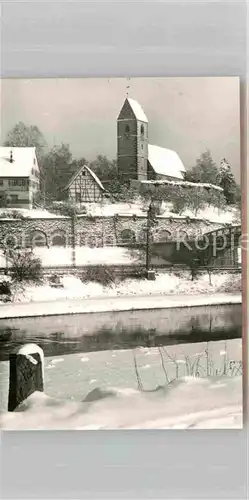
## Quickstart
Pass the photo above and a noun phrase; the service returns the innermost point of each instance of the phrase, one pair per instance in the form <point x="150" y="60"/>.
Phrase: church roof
<point x="137" y="110"/>
<point x="93" y="175"/>
<point x="165" y="162"/>
<point x="23" y="161"/>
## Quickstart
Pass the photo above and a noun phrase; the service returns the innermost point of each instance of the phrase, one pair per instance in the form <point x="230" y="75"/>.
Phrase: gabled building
<point x="85" y="187"/>
<point x="19" y="177"/>
<point x="137" y="159"/>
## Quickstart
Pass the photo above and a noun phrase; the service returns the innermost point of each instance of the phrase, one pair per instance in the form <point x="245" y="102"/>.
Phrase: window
<point x="142" y="130"/>
<point x="1" y="182"/>
<point x="78" y="197"/>
<point x="84" y="172"/>
<point x="14" y="198"/>
<point x="17" y="182"/>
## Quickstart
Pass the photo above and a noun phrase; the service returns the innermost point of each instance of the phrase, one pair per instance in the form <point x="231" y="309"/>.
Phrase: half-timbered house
<point x="85" y="187"/>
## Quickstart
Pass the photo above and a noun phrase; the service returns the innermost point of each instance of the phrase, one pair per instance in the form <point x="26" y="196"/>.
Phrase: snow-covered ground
<point x="164" y="284"/>
<point x="108" y="209"/>
<point x="208" y="213"/>
<point x="168" y="290"/>
<point x="60" y="256"/>
<point x="99" y="390"/>
<point x="32" y="213"/>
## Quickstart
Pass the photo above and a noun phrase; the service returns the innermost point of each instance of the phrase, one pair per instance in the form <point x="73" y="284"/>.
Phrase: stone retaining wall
<point x="99" y="231"/>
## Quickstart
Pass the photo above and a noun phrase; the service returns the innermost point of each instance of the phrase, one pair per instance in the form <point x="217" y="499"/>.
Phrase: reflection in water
<point x="60" y="335"/>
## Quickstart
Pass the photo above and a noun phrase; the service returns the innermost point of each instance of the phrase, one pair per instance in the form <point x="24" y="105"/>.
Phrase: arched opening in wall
<point x="59" y="239"/>
<point x="127" y="237"/>
<point x="38" y="239"/>
<point x="127" y="131"/>
<point x="164" y="236"/>
<point x="10" y="241"/>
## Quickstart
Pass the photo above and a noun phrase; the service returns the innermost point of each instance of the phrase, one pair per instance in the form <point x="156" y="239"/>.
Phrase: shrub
<point x="5" y="291"/>
<point x="233" y="284"/>
<point x="100" y="274"/>
<point x="178" y="205"/>
<point x="24" y="266"/>
<point x="12" y="214"/>
<point x="67" y="208"/>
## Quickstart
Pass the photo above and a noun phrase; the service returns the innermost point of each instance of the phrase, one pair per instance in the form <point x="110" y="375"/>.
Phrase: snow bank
<point x="210" y="213"/>
<point x="164" y="284"/>
<point x="107" y="209"/>
<point x="32" y="213"/>
<point x="98" y="390"/>
<point x="213" y="403"/>
<point x="86" y="256"/>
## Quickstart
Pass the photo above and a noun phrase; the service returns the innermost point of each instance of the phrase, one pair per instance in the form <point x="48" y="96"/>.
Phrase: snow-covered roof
<point x="138" y="110"/>
<point x="23" y="161"/>
<point x="165" y="162"/>
<point x="94" y="176"/>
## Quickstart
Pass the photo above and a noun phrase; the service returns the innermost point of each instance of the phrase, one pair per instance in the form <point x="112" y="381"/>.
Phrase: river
<point x="68" y="334"/>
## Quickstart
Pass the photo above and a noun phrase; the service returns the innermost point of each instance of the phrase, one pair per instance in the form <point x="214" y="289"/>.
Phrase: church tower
<point x="132" y="142"/>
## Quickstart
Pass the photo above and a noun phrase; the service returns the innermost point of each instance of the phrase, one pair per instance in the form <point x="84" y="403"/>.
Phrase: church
<point x="138" y="160"/>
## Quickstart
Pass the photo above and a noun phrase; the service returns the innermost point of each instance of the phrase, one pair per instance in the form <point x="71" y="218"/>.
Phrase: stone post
<point x="26" y="374"/>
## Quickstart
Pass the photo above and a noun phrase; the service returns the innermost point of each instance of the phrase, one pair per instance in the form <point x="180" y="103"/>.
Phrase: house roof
<point x="137" y="110"/>
<point x="165" y="162"/>
<point x="94" y="176"/>
<point x="22" y="164"/>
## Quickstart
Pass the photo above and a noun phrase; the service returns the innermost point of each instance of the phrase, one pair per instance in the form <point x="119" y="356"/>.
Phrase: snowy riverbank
<point x="168" y="290"/>
<point x="181" y="386"/>
<point x="105" y="304"/>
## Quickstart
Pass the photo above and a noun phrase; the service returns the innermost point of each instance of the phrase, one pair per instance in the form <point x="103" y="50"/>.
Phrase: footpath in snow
<point x="115" y="303"/>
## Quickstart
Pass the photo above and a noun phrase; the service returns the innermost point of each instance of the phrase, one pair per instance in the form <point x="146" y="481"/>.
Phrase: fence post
<point x="26" y="374"/>
<point x="73" y="235"/>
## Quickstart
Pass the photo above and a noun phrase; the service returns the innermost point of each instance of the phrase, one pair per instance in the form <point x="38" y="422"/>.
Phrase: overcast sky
<point x="188" y="115"/>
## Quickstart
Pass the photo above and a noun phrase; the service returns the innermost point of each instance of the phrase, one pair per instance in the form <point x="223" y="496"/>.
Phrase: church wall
<point x="142" y="150"/>
<point x="127" y="149"/>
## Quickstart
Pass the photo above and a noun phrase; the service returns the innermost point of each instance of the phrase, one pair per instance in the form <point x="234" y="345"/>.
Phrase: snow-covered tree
<point x="22" y="135"/>
<point x="205" y="170"/>
<point x="227" y="182"/>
